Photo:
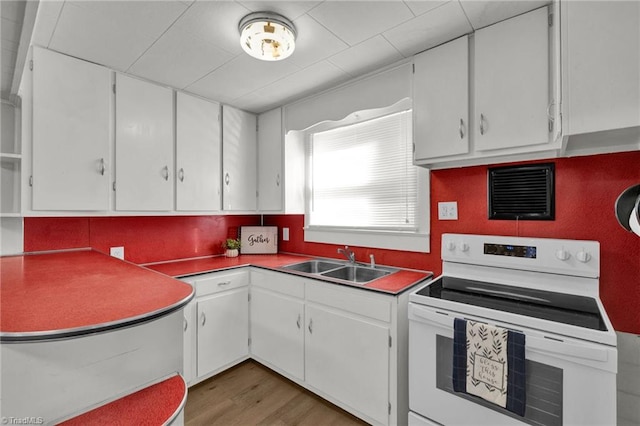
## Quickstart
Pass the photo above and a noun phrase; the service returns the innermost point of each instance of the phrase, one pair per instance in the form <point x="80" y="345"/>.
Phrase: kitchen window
<point x="362" y="187"/>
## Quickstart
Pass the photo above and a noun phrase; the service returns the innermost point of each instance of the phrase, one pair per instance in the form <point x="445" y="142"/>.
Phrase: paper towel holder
<point x="628" y="209"/>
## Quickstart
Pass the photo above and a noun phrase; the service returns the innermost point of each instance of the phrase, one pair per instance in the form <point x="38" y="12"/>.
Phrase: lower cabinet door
<point x="189" y="328"/>
<point x="223" y="330"/>
<point x="277" y="331"/>
<point x="347" y="358"/>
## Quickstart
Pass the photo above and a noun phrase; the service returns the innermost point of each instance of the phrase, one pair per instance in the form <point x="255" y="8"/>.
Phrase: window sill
<point x="419" y="243"/>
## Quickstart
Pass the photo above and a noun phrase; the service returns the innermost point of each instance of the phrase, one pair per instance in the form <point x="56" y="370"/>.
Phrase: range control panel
<point x="567" y="257"/>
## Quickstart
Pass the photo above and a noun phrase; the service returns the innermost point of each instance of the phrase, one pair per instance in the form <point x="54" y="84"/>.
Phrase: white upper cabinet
<point x="511" y="82"/>
<point x="270" y="143"/>
<point x="239" y="159"/>
<point x="198" y="154"/>
<point x="144" y="146"/>
<point x="601" y="65"/>
<point x="441" y="100"/>
<point x="71" y="153"/>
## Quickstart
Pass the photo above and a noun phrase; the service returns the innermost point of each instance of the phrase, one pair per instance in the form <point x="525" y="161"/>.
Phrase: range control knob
<point x="562" y="254"/>
<point x="583" y="256"/>
<point x="451" y="246"/>
<point x="464" y="247"/>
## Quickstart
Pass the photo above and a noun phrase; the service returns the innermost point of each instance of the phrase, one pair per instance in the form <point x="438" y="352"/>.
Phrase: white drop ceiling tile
<point x="178" y="62"/>
<point x="418" y="7"/>
<point x="240" y="76"/>
<point x="112" y="33"/>
<point x="289" y="9"/>
<point x="316" y="78"/>
<point x="367" y="56"/>
<point x="314" y="43"/>
<point x="46" y="20"/>
<point x="356" y="21"/>
<point x="482" y="13"/>
<point x="440" y="25"/>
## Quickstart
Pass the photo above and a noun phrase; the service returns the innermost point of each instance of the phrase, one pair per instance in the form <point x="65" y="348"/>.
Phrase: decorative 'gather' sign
<point x="258" y="239"/>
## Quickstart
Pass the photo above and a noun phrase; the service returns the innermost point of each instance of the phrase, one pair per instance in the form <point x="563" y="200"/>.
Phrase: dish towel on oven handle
<point x="489" y="362"/>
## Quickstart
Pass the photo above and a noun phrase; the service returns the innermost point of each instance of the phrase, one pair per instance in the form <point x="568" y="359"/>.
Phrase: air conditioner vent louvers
<point x="522" y="192"/>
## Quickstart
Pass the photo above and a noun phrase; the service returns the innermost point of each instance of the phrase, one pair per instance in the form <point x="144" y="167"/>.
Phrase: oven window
<point x="543" y="388"/>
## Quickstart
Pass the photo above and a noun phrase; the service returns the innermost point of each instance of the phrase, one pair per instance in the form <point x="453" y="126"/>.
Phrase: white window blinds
<point x="362" y="176"/>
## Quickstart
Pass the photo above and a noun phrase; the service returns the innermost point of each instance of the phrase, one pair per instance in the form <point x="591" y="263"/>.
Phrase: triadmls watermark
<point x="22" y="420"/>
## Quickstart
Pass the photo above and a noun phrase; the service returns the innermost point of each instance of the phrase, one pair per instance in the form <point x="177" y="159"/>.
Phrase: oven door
<point x="568" y="381"/>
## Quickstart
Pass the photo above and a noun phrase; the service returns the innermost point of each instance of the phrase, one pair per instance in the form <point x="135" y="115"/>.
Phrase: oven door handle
<point x="557" y="346"/>
<point x="441" y="318"/>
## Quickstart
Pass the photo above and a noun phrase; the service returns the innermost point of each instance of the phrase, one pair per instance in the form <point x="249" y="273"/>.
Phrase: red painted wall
<point x="586" y="191"/>
<point x="145" y="239"/>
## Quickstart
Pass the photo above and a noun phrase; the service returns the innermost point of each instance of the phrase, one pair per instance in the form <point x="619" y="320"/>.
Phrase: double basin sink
<point x="352" y="273"/>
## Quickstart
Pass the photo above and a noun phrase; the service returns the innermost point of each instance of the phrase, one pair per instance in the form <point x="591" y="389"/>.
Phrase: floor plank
<point x="251" y="394"/>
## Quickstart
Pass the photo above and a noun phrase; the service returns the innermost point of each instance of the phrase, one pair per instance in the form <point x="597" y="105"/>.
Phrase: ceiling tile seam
<point x="211" y="71"/>
<point x="394" y="46"/>
<point x="159" y="37"/>
<point x="334" y="34"/>
<point x="466" y="16"/>
<point x="55" y="27"/>
<point x="410" y="10"/>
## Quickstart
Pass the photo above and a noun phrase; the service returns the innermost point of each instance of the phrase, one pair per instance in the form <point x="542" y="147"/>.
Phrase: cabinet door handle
<point x="165" y="171"/>
<point x="186" y="324"/>
<point x="224" y="283"/>
<point x="204" y="319"/>
<point x="461" y="128"/>
<point x="226" y="179"/>
<point x="298" y="322"/>
<point x="311" y="326"/>
<point x="278" y="179"/>
<point x="482" y="124"/>
<point x="181" y="174"/>
<point x="103" y="166"/>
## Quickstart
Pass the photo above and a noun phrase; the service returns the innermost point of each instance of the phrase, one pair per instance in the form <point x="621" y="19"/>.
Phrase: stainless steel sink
<point x="357" y="274"/>
<point x="313" y="266"/>
<point x="339" y="271"/>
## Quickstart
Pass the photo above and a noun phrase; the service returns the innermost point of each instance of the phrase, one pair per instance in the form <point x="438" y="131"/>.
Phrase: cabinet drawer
<point x="218" y="281"/>
<point x="280" y="282"/>
<point x="351" y="300"/>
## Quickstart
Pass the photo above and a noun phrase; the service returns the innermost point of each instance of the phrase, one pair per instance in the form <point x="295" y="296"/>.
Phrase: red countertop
<point x="69" y="293"/>
<point x="395" y="283"/>
<point x="158" y="404"/>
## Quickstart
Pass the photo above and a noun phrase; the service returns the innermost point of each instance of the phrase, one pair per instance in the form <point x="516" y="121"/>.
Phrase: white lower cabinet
<point x="347" y="359"/>
<point x="189" y="354"/>
<point x="220" y="326"/>
<point x="346" y="344"/>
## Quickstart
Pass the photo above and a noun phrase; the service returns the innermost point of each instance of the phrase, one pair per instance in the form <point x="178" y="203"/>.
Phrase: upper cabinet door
<point x="601" y="65"/>
<point x="71" y="133"/>
<point x="441" y="100"/>
<point x="198" y="154"/>
<point x="239" y="152"/>
<point x="511" y="63"/>
<point x="144" y="145"/>
<point x="270" y="141"/>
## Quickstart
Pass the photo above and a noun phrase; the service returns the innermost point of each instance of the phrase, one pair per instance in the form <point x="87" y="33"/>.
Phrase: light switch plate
<point x="448" y="210"/>
<point x="285" y="234"/>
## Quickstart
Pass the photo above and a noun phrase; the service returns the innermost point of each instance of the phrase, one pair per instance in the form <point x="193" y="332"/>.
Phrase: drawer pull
<point x="224" y="283"/>
<point x="310" y="326"/>
<point x="298" y="322"/>
<point x="186" y="324"/>
<point x="204" y="319"/>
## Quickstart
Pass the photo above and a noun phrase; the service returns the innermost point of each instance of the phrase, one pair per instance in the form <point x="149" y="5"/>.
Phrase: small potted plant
<point x="231" y="245"/>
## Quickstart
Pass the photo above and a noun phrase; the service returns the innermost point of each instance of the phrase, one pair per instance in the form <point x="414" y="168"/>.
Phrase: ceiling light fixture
<point x="267" y="36"/>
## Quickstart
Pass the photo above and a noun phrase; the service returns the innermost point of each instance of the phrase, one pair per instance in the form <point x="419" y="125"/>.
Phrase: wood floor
<point x="251" y="394"/>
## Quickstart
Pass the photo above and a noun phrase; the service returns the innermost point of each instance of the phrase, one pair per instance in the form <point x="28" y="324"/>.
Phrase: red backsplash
<point x="586" y="191"/>
<point x="144" y="238"/>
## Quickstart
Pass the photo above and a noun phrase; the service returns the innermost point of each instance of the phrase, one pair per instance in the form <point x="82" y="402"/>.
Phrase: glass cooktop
<point x="564" y="308"/>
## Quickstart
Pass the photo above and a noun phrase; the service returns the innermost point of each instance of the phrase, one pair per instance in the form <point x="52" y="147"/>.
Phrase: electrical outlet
<point x="448" y="210"/>
<point x="117" y="252"/>
<point x="285" y="234"/>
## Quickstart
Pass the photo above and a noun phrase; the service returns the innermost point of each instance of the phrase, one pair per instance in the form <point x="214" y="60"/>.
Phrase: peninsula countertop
<point x="71" y="293"/>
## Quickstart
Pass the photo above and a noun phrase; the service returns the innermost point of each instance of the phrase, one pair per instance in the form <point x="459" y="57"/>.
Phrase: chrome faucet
<point x="348" y="253"/>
